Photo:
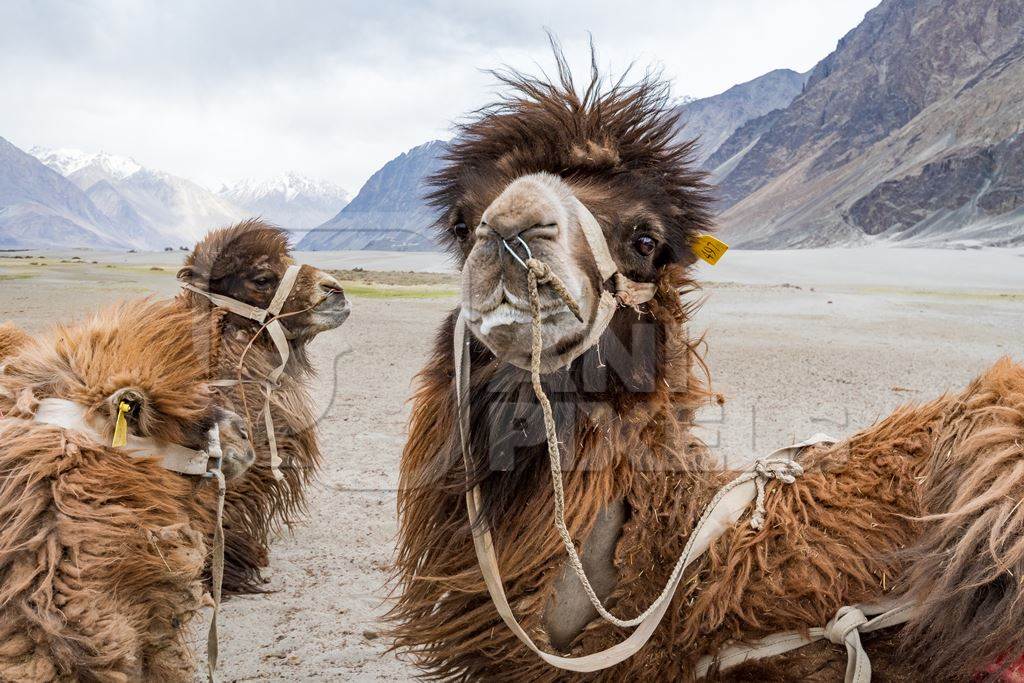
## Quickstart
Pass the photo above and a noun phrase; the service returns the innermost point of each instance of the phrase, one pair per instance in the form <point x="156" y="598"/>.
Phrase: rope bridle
<point x="270" y="320"/>
<point x="724" y="510"/>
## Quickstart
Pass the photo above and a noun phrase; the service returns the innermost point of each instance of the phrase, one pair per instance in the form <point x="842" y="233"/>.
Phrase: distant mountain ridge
<point x="70" y="198"/>
<point x="390" y="212"/>
<point x="156" y="208"/>
<point x="711" y="120"/>
<point x="909" y="132"/>
<point x="41" y="208"/>
<point x="293" y="201"/>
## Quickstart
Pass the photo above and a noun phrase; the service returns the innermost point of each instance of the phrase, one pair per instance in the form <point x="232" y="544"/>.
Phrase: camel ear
<point x="136" y="409"/>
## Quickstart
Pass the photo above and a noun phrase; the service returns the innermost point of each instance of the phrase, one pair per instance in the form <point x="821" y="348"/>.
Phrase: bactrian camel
<point x="248" y="263"/>
<point x="102" y="549"/>
<point x="925" y="505"/>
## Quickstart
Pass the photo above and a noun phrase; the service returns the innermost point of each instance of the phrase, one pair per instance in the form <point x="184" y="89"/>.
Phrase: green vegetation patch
<point x="395" y="277"/>
<point x="355" y="290"/>
<point x="958" y="295"/>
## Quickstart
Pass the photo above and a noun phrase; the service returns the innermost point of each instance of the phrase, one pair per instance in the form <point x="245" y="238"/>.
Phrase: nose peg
<point x="508" y="247"/>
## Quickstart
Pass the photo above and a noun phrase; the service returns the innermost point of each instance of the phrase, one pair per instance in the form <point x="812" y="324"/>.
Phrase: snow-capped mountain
<point x="293" y="201"/>
<point x="157" y="208"/>
<point x="41" y="208"/>
<point x="83" y="168"/>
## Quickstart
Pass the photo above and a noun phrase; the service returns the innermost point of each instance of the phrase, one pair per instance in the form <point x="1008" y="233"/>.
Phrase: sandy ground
<point x="798" y="342"/>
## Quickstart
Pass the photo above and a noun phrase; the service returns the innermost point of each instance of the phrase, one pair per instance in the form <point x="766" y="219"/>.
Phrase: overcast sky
<point x="217" y="91"/>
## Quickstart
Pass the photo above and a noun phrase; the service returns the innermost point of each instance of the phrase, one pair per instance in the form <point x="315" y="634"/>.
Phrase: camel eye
<point x="645" y="245"/>
<point x="263" y="280"/>
<point x="461" y="230"/>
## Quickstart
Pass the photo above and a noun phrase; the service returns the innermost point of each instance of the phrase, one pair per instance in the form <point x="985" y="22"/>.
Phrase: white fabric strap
<point x="174" y="457"/>
<point x="724" y="510"/>
<point x="596" y="241"/>
<point x="234" y="305"/>
<point x="284" y="289"/>
<point x="844" y="629"/>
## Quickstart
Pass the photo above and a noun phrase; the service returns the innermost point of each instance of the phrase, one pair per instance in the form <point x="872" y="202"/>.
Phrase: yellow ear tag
<point x="121" y="426"/>
<point x="708" y="248"/>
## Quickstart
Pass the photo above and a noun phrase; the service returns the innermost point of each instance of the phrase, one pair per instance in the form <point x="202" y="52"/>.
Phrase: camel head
<point x="247" y="261"/>
<point x="525" y="173"/>
<point x="142" y="354"/>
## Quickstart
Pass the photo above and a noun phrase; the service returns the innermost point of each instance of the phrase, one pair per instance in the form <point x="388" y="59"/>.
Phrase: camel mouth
<point x="507" y="314"/>
<point x="331" y="312"/>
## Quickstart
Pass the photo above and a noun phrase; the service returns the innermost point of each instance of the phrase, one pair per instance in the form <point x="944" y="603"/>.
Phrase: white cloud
<point x="217" y="91"/>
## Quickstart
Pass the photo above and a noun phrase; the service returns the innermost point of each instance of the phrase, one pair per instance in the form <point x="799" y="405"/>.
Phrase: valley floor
<point x="798" y="342"/>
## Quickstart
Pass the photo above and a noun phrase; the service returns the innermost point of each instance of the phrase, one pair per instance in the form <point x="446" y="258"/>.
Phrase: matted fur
<point x="968" y="566"/>
<point x="101" y="562"/>
<point x="257" y="504"/>
<point x="840" y="535"/>
<point x="615" y="142"/>
<point x="12" y="338"/>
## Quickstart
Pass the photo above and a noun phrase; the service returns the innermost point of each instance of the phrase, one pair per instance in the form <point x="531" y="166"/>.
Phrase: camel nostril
<point x="332" y="288"/>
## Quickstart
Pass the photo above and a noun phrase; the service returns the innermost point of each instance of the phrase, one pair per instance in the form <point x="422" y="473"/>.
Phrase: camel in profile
<point x="923" y="505"/>
<point x="102" y="551"/>
<point x="247" y="262"/>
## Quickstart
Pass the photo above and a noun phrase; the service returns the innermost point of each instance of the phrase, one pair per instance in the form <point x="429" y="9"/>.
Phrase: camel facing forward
<point x="923" y="505"/>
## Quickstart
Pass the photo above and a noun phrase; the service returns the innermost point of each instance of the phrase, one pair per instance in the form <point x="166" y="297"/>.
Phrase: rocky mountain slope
<point x="910" y="131"/>
<point x="713" y="119"/>
<point x="389" y="212"/>
<point x="293" y="201"/>
<point x="161" y="208"/>
<point x="41" y="208"/>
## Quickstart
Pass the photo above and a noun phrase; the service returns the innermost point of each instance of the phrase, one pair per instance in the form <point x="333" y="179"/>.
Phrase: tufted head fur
<point x="522" y="174"/>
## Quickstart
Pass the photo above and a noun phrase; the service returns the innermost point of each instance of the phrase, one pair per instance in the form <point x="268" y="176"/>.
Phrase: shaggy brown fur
<point x="246" y="262"/>
<point x="100" y="562"/>
<point x="968" y="565"/>
<point x="12" y="338"/>
<point x="838" y="536"/>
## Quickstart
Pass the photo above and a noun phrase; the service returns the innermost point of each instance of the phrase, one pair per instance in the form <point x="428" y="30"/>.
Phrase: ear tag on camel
<point x="708" y="248"/>
<point x="121" y="426"/>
